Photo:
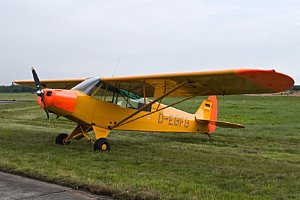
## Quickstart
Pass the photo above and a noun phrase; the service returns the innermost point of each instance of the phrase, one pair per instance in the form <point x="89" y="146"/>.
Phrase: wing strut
<point x="148" y="105"/>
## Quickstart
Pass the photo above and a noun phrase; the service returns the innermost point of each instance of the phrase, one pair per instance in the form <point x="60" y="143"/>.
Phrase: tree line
<point x="15" y="89"/>
<point x="296" y="88"/>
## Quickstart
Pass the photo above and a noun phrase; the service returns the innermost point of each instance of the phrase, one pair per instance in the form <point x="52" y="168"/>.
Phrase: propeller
<point x="39" y="91"/>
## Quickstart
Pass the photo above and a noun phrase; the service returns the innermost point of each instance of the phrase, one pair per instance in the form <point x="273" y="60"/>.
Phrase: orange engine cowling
<point x="62" y="99"/>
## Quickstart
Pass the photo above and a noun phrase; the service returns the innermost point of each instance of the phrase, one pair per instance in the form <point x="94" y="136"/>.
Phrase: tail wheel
<point x="60" y="139"/>
<point x="102" y="144"/>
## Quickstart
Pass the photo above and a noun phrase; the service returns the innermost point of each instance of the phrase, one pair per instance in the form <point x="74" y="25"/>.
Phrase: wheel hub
<point x="104" y="147"/>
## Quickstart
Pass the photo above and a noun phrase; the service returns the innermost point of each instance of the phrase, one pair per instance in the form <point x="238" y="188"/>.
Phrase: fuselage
<point x="87" y="110"/>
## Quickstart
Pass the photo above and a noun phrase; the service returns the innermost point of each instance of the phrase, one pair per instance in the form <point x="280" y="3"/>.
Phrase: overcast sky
<point x="83" y="38"/>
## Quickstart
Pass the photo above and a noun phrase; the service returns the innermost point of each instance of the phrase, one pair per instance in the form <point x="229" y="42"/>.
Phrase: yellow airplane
<point x="121" y="103"/>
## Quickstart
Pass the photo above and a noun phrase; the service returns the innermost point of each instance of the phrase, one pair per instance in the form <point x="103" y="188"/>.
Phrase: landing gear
<point x="210" y="138"/>
<point x="81" y="131"/>
<point x="60" y="139"/>
<point x="102" y="145"/>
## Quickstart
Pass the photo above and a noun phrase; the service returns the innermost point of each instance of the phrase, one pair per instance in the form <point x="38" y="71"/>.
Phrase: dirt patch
<point x="287" y="93"/>
<point x="295" y="94"/>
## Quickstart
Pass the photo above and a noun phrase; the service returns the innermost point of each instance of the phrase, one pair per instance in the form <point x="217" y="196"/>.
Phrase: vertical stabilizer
<point x="208" y="111"/>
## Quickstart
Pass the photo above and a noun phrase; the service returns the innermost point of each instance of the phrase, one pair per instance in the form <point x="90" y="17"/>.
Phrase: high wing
<point x="225" y="82"/>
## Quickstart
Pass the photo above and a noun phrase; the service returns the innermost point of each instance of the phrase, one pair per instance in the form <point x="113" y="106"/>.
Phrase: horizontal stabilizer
<point x="221" y="124"/>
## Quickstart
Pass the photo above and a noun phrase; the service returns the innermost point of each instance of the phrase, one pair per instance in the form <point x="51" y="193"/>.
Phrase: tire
<point x="102" y="145"/>
<point x="60" y="139"/>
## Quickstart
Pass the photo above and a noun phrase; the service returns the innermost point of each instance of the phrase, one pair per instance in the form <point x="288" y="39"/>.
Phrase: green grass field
<point x="259" y="162"/>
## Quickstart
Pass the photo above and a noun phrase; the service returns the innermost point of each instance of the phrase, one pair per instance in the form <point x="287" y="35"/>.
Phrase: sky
<point x="102" y="38"/>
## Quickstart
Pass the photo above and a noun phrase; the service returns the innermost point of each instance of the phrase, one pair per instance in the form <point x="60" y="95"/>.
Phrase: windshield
<point x="105" y="92"/>
<point x="88" y="86"/>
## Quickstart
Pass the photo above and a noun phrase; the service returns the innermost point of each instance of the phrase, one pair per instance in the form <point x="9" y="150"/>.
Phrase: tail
<point x="208" y="113"/>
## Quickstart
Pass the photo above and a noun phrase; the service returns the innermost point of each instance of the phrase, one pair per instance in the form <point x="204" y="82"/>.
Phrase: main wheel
<point x="102" y="144"/>
<point x="60" y="139"/>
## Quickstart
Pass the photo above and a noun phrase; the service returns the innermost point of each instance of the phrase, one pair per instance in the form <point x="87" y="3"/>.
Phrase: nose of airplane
<point x="62" y="99"/>
<point x="48" y="98"/>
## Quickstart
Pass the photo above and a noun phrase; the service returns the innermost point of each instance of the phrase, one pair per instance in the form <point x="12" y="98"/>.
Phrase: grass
<point x="259" y="162"/>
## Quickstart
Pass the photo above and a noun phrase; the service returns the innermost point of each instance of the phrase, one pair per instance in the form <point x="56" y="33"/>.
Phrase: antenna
<point x="116" y="67"/>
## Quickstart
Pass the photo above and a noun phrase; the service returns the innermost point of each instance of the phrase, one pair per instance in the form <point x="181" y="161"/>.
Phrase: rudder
<point x="208" y="111"/>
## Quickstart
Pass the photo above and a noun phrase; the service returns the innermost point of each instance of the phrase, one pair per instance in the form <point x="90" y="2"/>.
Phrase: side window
<point x="120" y="97"/>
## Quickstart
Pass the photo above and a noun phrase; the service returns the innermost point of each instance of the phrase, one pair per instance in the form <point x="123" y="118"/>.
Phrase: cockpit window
<point x="105" y="92"/>
<point x="88" y="86"/>
<point x="126" y="93"/>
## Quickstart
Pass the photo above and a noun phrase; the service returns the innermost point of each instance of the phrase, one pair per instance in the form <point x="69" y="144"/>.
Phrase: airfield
<point x="259" y="162"/>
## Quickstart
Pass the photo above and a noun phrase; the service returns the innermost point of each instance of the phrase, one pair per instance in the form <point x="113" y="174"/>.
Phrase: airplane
<point x="100" y="105"/>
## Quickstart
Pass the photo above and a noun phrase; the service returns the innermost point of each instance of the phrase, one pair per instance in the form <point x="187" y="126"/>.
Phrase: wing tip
<point x="269" y="79"/>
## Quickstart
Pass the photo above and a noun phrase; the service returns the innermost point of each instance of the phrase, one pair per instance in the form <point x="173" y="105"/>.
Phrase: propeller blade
<point x="36" y="80"/>
<point x="39" y="91"/>
<point x="45" y="107"/>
